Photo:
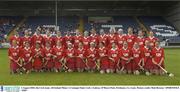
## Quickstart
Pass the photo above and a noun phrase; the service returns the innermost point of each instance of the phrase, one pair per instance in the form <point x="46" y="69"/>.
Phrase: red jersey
<point x="126" y="53"/>
<point x="36" y="38"/>
<point x="86" y="41"/>
<point x="69" y="52"/>
<point x="157" y="54"/>
<point x="111" y="39"/>
<point x="16" y="38"/>
<point x="48" y="52"/>
<point x="141" y="41"/>
<point x="14" y="52"/>
<point x="104" y="39"/>
<point x="102" y="52"/>
<point x="80" y="52"/>
<point x="114" y="54"/>
<point x="59" y="52"/>
<point x="26" y="54"/>
<point x="94" y="38"/>
<point x="137" y="54"/>
<point x="56" y="39"/>
<point x="25" y="39"/>
<point x="91" y="53"/>
<point x="120" y="39"/>
<point x="37" y="54"/>
<point x="48" y="39"/>
<point x="77" y="39"/>
<point x="152" y="40"/>
<point x="130" y="40"/>
<point x="67" y="39"/>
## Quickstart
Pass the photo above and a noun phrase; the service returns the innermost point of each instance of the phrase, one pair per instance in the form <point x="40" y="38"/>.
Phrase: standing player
<point x="38" y="55"/>
<point x="37" y="38"/>
<point x="137" y="59"/>
<point x="126" y="58"/>
<point x="151" y="39"/>
<point x="25" y="38"/>
<point x="48" y="38"/>
<point x="91" y="56"/>
<point x="14" y="56"/>
<point x="103" y="38"/>
<point x="103" y="58"/>
<point x="111" y="37"/>
<point x="158" y="59"/>
<point x="77" y="39"/>
<point x="113" y="54"/>
<point x="26" y="57"/>
<point x="48" y="57"/>
<point x="140" y="39"/>
<point x="80" y="54"/>
<point x="94" y="37"/>
<point x="58" y="51"/>
<point x="86" y="40"/>
<point x="59" y="38"/>
<point x="120" y="38"/>
<point x="130" y="37"/>
<point x="16" y="38"/>
<point x="68" y="38"/>
<point x="69" y="58"/>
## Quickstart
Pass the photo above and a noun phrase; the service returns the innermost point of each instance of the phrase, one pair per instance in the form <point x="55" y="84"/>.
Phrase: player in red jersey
<point x="69" y="58"/>
<point x="57" y="38"/>
<point x="38" y="55"/>
<point x="120" y="37"/>
<point x="80" y="57"/>
<point x="126" y="58"/>
<point x="130" y="37"/>
<point x="68" y="38"/>
<point x="48" y="57"/>
<point x="91" y="56"/>
<point x="26" y="38"/>
<point x="58" y="52"/>
<point x="113" y="54"/>
<point x="158" y="59"/>
<point x="103" y="38"/>
<point x="94" y="37"/>
<point x="26" y="57"/>
<point x="140" y="39"/>
<point x="111" y="37"/>
<point x="77" y="38"/>
<point x="16" y="38"/>
<point x="147" y="58"/>
<point x="37" y="38"/>
<point x="86" y="40"/>
<point x="48" y="38"/>
<point x="137" y="59"/>
<point x="14" y="56"/>
<point x="103" y="58"/>
<point x="151" y="39"/>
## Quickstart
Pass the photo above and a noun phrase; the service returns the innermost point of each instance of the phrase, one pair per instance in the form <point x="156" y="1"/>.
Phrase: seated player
<point x="147" y="58"/>
<point x="103" y="58"/>
<point x="26" y="57"/>
<point x="48" y="57"/>
<point x="14" y="56"/>
<point x="37" y="54"/>
<point x="137" y="59"/>
<point x="69" y="58"/>
<point x="58" y="52"/>
<point x="126" y="59"/>
<point x="113" y="54"/>
<point x="91" y="56"/>
<point x="158" y="59"/>
<point x="80" y="57"/>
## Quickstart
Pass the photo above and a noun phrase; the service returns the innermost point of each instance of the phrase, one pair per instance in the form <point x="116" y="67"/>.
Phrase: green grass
<point x="172" y="64"/>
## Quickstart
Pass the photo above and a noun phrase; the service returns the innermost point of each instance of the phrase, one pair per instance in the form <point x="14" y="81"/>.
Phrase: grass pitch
<point x="172" y="61"/>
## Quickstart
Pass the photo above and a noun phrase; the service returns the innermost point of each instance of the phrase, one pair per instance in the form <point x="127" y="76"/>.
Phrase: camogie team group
<point x="114" y="52"/>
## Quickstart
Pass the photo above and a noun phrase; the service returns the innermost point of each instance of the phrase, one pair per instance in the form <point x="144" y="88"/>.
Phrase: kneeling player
<point x="79" y="56"/>
<point x="14" y="56"/>
<point x="103" y="58"/>
<point x="158" y="59"/>
<point x="137" y="59"/>
<point x="91" y="57"/>
<point x="48" y="57"/>
<point x="69" y="60"/>
<point x="26" y="57"/>
<point x="126" y="59"/>
<point x="58" y="52"/>
<point x="113" y="54"/>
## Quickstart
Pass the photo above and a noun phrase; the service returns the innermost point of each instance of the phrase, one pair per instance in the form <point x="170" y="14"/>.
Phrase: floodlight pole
<point x="56" y="12"/>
